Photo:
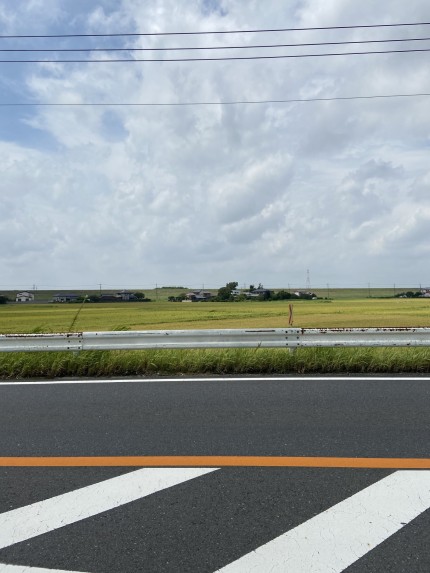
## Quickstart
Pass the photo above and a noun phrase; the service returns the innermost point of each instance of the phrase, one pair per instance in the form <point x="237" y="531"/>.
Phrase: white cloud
<point x="138" y="195"/>
<point x="245" y="193"/>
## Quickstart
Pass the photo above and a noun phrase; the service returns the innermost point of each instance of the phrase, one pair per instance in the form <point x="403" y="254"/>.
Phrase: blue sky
<point x="133" y="196"/>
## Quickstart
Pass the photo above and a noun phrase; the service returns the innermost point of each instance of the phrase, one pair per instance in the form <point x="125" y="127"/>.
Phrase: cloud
<point x="247" y="192"/>
<point x="133" y="195"/>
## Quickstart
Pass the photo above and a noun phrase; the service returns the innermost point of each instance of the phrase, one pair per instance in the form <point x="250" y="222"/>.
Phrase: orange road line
<point x="216" y="461"/>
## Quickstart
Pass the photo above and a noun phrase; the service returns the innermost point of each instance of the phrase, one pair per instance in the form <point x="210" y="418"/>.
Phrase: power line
<point x="202" y="103"/>
<point x="213" y="47"/>
<point x="255" y="31"/>
<point x="226" y="58"/>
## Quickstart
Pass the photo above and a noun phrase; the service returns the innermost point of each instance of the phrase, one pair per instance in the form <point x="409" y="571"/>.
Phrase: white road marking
<point x="336" y="538"/>
<point x="43" y="516"/>
<point x="262" y="379"/>
<point x="5" y="568"/>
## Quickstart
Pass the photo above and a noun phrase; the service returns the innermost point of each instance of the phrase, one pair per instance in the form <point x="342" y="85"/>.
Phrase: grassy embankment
<point x="163" y="315"/>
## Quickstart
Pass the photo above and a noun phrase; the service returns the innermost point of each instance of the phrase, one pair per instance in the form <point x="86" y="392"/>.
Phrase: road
<point x="204" y="517"/>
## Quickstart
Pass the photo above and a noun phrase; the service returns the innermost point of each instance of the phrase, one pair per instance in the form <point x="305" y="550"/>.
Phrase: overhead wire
<point x="211" y="103"/>
<point x="221" y="58"/>
<point x="205" y="48"/>
<point x="243" y="47"/>
<point x="201" y="33"/>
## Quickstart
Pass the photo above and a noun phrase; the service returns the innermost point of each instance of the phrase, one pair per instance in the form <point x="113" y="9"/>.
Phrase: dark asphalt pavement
<point x="369" y="418"/>
<point x="205" y="523"/>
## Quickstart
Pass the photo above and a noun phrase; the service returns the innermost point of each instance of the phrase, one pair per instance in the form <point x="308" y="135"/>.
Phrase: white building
<point x="24" y="297"/>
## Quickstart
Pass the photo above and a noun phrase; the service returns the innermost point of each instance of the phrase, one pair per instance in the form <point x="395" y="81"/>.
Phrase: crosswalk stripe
<point x="5" y="568"/>
<point x="336" y="538"/>
<point x="37" y="518"/>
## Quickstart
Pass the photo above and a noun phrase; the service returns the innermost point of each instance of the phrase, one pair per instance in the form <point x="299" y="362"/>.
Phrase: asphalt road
<point x="205" y="523"/>
<point x="262" y="417"/>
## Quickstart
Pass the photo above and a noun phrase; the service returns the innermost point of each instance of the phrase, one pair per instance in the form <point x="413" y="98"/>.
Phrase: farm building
<point x="61" y="297"/>
<point x="24" y="297"/>
<point x="259" y="293"/>
<point x="307" y="295"/>
<point x="126" y="295"/>
<point x="198" y="296"/>
<point x="122" y="296"/>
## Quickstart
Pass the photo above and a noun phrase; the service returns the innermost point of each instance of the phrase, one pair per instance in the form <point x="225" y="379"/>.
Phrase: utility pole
<point x="308" y="281"/>
<point x="328" y="290"/>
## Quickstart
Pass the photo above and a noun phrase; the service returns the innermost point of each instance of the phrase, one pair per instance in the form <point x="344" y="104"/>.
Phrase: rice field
<point x="165" y="315"/>
<point x="29" y="318"/>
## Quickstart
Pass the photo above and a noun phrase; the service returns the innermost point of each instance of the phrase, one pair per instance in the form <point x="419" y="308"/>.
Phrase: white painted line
<point x="5" y="568"/>
<point x="336" y="538"/>
<point x="43" y="516"/>
<point x="262" y="379"/>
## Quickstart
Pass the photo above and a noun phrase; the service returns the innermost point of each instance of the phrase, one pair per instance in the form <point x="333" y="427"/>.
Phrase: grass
<point x="164" y="315"/>
<point x="215" y="362"/>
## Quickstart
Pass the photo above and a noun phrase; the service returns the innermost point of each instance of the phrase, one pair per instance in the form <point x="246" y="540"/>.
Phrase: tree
<point x="282" y="295"/>
<point x="139" y="295"/>
<point x="94" y="298"/>
<point x="224" y="293"/>
<point x="3" y="299"/>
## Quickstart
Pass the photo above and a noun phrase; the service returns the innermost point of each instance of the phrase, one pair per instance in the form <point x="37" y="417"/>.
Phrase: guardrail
<point x="291" y="338"/>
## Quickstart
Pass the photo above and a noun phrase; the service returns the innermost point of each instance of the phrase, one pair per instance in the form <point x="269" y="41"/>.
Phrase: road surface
<point x="291" y="475"/>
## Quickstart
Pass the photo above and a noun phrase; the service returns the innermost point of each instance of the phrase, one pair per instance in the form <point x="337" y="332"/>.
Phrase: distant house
<point x="65" y="297"/>
<point x="198" y="296"/>
<point x="108" y="298"/>
<point x="126" y="295"/>
<point x="307" y="295"/>
<point x="425" y="292"/>
<point x="259" y="293"/>
<point x="24" y="297"/>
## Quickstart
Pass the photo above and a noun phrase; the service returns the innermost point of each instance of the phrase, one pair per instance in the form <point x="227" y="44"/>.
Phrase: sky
<point x="123" y="196"/>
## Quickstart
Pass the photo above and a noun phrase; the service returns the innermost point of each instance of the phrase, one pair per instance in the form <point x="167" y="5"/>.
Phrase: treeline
<point x="231" y="293"/>
<point x="410" y="294"/>
<point x="133" y="297"/>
